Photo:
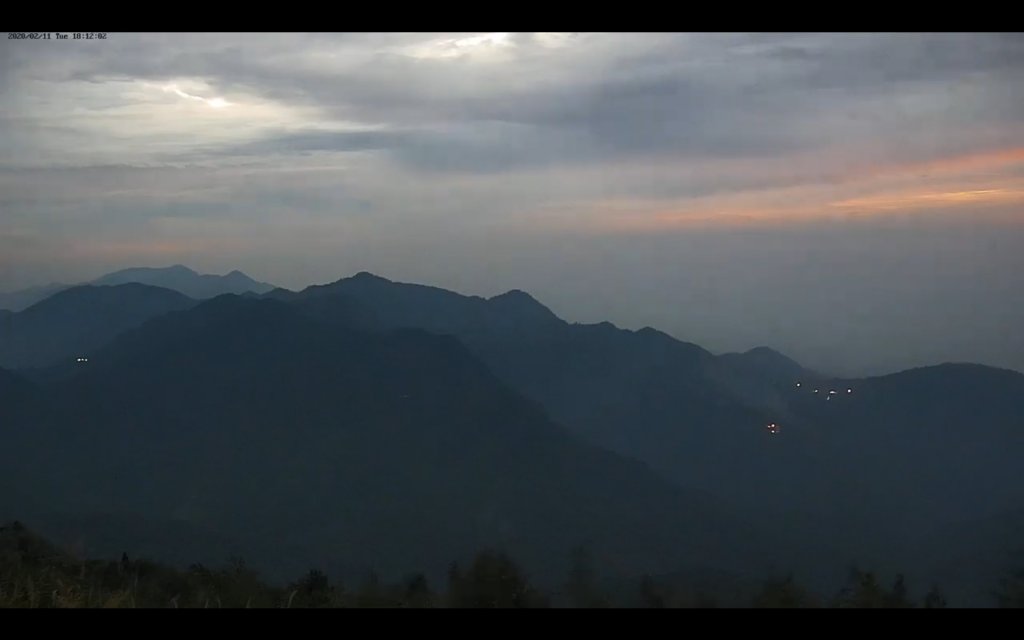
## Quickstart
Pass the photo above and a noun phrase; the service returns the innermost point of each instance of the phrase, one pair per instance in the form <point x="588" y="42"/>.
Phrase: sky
<point x="853" y="200"/>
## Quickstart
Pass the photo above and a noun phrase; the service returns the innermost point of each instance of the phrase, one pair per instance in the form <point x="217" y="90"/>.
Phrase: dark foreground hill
<point x="35" y="573"/>
<point x="307" y="443"/>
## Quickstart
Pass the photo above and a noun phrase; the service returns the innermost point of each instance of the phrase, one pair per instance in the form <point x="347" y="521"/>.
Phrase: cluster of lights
<point x="82" y="360"/>
<point x="831" y="392"/>
<point x="773" y="428"/>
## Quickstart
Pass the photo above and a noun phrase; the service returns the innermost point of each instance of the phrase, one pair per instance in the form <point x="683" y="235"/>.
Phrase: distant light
<point x="83" y="359"/>
<point x="849" y="391"/>
<point x="815" y="391"/>
<point x="832" y="391"/>
<point x="798" y="384"/>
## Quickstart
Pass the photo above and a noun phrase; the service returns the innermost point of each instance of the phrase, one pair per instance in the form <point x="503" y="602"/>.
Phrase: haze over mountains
<point x="80" y="319"/>
<point x="369" y="423"/>
<point x="381" y="451"/>
<point x="178" y="277"/>
<point x="711" y="307"/>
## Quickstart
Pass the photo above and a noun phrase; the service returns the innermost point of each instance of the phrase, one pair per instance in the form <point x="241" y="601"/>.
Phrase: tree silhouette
<point x="493" y="580"/>
<point x="313" y="591"/>
<point x="652" y="595"/>
<point x="372" y="593"/>
<point x="934" y="599"/>
<point x="782" y="593"/>
<point x="1010" y="592"/>
<point x="581" y="587"/>
<point x="862" y="592"/>
<point x="455" y="585"/>
<point x="417" y="592"/>
<point x="898" y="598"/>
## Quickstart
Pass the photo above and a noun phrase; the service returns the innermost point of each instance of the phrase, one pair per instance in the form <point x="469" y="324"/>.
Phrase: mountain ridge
<point x="74" y="321"/>
<point x="176" y="277"/>
<point x="325" y="434"/>
<point x="952" y="431"/>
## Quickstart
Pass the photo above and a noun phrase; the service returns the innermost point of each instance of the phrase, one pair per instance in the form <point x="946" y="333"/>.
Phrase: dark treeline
<point x="36" y="574"/>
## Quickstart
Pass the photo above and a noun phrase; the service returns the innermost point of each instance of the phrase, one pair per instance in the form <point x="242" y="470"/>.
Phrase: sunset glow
<point x="630" y="164"/>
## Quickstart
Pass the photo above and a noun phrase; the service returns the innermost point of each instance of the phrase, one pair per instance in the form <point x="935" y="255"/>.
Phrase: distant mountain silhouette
<point x="302" y="392"/>
<point x="391" y="305"/>
<point x="840" y="473"/>
<point x="24" y="298"/>
<point x="641" y="393"/>
<point x="178" y="278"/>
<point x="762" y="377"/>
<point x="186" y="281"/>
<point x="75" y="321"/>
<point x="310" y="442"/>
<point x="946" y="438"/>
<point x="766" y="363"/>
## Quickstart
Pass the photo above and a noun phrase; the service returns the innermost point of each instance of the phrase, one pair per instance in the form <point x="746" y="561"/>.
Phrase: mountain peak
<point x="185" y="280"/>
<point x="174" y="269"/>
<point x="366" y="276"/>
<point x="515" y="295"/>
<point x="651" y="332"/>
<point x="519" y="302"/>
<point x="108" y="293"/>
<point x="764" y="352"/>
<point x="238" y="277"/>
<point x="764" y="361"/>
<point x="359" y="280"/>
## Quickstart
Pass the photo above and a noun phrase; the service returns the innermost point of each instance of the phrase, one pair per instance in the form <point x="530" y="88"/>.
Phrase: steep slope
<point x="74" y="322"/>
<point x="564" y="366"/>
<point x="309" y="442"/>
<point x="865" y="472"/>
<point x="640" y="393"/>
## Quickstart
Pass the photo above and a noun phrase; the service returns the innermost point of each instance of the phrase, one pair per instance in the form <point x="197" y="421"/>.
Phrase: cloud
<point x="587" y="98"/>
<point x="490" y="160"/>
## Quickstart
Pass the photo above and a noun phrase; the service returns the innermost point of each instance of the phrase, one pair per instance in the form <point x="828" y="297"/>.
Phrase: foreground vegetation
<point x="37" y="574"/>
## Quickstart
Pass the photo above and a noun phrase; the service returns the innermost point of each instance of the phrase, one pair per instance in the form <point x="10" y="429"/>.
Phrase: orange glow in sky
<point x="984" y="185"/>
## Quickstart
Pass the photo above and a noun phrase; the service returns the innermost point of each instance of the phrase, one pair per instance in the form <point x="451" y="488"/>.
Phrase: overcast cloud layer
<point x="853" y="200"/>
